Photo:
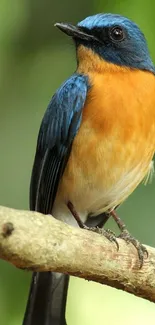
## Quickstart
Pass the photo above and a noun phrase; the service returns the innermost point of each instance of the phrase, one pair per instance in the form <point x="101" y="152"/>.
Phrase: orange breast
<point x="115" y="144"/>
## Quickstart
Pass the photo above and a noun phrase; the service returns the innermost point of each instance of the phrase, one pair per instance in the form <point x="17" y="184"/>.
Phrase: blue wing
<point x="58" y="129"/>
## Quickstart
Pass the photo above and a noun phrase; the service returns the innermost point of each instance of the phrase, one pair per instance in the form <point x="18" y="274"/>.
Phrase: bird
<point x="95" y="144"/>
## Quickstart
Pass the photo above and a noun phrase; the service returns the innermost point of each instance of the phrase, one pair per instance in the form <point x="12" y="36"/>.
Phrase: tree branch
<point x="32" y="241"/>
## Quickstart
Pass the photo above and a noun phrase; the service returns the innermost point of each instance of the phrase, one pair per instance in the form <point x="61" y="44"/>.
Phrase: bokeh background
<point x="35" y="58"/>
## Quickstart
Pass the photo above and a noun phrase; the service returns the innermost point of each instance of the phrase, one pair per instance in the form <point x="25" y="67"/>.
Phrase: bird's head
<point x="112" y="38"/>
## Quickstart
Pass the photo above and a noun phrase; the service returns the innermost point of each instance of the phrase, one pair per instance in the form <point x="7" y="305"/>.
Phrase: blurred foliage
<point x="34" y="60"/>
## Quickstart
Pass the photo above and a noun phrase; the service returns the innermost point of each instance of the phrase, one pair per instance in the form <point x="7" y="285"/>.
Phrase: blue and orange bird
<point x="96" y="142"/>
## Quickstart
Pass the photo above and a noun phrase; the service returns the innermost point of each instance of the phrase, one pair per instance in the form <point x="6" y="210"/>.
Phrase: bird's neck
<point x="89" y="62"/>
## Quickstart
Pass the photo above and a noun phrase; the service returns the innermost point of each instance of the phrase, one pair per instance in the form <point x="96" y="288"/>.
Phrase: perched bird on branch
<point x="96" y="143"/>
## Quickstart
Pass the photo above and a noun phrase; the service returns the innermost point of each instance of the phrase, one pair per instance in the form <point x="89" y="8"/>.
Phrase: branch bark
<point x="36" y="242"/>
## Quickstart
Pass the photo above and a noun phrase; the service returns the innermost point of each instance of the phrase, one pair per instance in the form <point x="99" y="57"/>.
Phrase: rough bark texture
<point x="32" y="241"/>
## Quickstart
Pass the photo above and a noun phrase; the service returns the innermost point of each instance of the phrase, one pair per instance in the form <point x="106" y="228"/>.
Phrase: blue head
<point x="114" y="38"/>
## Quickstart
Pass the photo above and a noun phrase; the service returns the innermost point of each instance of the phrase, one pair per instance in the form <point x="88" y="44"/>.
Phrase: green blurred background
<point x="35" y="59"/>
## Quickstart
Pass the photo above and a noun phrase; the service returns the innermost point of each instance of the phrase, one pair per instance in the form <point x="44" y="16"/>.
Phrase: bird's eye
<point x="117" y="34"/>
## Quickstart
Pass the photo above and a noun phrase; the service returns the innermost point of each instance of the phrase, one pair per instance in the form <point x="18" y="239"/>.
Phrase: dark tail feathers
<point x="47" y="299"/>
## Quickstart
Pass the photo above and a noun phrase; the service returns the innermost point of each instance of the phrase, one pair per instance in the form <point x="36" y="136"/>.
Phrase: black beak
<point x="75" y="32"/>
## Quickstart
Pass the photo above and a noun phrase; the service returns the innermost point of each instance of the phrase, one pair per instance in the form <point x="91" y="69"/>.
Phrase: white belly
<point x="95" y="201"/>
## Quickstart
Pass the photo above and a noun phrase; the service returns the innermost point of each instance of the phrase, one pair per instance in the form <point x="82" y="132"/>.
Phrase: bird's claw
<point x="110" y="235"/>
<point x="141" y="250"/>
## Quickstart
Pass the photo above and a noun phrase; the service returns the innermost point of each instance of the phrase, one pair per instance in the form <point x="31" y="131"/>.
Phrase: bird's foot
<point x="125" y="235"/>
<point x="141" y="250"/>
<point x="110" y="235"/>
